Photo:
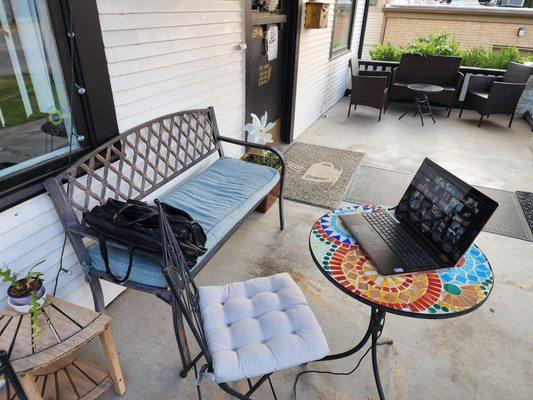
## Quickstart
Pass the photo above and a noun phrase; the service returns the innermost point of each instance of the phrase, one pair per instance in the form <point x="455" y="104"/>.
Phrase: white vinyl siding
<point x="163" y="56"/>
<point x="322" y="82"/>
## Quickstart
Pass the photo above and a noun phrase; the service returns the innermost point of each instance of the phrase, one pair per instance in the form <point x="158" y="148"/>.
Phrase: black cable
<point x="70" y="35"/>
<point x="331" y="372"/>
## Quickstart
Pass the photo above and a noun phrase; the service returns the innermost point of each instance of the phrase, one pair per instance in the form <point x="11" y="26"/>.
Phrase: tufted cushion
<point x="258" y="327"/>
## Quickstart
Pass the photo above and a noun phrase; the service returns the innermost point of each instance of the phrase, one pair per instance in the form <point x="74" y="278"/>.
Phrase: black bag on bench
<point x="135" y="224"/>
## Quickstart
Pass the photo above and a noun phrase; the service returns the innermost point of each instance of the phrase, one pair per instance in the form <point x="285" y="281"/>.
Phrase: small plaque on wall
<point x="264" y="74"/>
<point x="257" y="32"/>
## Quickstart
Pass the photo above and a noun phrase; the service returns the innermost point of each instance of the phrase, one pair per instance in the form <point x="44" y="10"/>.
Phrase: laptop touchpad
<point x="367" y="236"/>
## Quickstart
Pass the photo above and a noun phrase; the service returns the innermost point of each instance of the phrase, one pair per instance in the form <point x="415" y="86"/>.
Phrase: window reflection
<point x="34" y="115"/>
<point x="342" y="24"/>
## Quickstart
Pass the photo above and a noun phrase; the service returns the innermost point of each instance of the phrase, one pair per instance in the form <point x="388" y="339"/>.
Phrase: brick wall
<point x="468" y="30"/>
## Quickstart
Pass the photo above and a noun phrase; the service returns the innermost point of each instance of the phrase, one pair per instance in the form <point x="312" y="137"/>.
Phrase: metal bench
<point x="138" y="162"/>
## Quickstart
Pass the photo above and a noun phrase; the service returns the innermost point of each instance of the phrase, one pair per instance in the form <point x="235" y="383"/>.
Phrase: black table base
<point x="421" y="102"/>
<point x="373" y="332"/>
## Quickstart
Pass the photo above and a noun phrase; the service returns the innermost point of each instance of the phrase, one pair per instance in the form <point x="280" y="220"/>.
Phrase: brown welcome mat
<point x="374" y="185"/>
<point x="319" y="175"/>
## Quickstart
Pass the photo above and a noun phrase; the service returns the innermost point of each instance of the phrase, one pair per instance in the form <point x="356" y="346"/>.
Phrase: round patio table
<point x="436" y="294"/>
<point x="421" y="91"/>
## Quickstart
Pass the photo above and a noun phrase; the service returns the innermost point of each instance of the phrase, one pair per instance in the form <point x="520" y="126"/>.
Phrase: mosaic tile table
<point x="443" y="293"/>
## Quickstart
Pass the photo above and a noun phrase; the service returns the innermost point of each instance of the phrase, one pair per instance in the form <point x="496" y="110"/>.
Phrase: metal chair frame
<point x="11" y="380"/>
<point x="185" y="295"/>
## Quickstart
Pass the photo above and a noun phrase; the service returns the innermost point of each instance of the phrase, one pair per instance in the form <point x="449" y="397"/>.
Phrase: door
<point x="269" y="64"/>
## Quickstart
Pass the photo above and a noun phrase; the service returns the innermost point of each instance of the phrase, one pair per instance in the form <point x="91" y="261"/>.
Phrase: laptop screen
<point x="447" y="212"/>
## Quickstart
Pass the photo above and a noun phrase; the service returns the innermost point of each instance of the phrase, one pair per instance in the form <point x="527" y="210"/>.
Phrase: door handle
<point x="241" y="46"/>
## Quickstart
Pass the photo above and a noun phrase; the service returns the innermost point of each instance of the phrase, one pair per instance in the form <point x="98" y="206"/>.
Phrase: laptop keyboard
<point x="404" y="246"/>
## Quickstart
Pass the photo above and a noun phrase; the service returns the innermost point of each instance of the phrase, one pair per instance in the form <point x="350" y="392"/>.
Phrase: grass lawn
<point x="11" y="101"/>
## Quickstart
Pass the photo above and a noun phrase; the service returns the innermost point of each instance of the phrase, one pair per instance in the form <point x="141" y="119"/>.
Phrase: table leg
<point x="430" y="112"/>
<point x="358" y="346"/>
<point x="112" y="361"/>
<point x="29" y="386"/>
<point x="403" y="115"/>
<point x="419" y="103"/>
<point x="376" y="332"/>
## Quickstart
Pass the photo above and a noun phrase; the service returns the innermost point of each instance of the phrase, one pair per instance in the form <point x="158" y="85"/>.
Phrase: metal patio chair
<point x="497" y="95"/>
<point x="244" y="330"/>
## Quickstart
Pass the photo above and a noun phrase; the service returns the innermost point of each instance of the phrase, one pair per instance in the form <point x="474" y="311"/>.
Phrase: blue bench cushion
<point x="217" y="197"/>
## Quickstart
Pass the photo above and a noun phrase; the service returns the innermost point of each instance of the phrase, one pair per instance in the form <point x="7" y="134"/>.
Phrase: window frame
<point x="343" y="50"/>
<point x="92" y="112"/>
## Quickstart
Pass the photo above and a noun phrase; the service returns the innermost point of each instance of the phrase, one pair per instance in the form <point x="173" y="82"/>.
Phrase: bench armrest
<point x="277" y="153"/>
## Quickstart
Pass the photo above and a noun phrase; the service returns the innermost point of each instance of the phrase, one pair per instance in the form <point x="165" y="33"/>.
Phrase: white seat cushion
<point x="258" y="327"/>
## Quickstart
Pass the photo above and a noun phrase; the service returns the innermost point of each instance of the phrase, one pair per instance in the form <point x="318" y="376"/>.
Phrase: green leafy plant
<point x="439" y="43"/>
<point x="268" y="160"/>
<point x="442" y="43"/>
<point x="27" y="286"/>
<point x="385" y="52"/>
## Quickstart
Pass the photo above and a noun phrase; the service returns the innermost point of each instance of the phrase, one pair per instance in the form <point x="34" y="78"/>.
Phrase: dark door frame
<point x="294" y="13"/>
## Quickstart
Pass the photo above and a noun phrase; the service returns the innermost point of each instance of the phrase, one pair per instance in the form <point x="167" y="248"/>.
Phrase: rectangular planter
<point x="271" y="197"/>
<point x="269" y="200"/>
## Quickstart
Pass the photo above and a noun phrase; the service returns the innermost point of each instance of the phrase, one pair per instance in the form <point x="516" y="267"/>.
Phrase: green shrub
<point x="385" y="52"/>
<point x="433" y="44"/>
<point x="441" y="43"/>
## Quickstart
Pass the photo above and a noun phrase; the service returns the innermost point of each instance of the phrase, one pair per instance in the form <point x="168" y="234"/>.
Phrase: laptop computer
<point x="433" y="225"/>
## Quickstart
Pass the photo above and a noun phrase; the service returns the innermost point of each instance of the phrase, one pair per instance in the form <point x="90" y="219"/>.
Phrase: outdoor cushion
<point x="217" y="198"/>
<point x="258" y="327"/>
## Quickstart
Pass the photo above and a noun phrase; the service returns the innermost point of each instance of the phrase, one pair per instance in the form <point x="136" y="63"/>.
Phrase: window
<point x="35" y="118"/>
<point x="38" y="106"/>
<point x="342" y="26"/>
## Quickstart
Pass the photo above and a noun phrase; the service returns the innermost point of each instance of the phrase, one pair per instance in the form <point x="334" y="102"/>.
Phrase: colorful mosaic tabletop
<point x="428" y="294"/>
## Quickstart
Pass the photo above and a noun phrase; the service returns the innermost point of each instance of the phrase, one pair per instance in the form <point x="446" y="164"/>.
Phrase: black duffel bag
<point x="135" y="224"/>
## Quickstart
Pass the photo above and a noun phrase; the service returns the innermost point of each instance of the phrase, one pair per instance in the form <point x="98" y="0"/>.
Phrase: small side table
<point x="438" y="294"/>
<point x="49" y="368"/>
<point x="421" y="91"/>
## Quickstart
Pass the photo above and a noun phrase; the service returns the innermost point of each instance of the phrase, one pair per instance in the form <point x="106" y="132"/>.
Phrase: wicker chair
<point x="497" y="95"/>
<point x="435" y="70"/>
<point x="369" y="88"/>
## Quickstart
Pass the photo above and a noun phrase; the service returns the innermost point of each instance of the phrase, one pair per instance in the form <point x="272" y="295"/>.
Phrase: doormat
<point x="380" y="186"/>
<point x="526" y="202"/>
<point x="319" y="175"/>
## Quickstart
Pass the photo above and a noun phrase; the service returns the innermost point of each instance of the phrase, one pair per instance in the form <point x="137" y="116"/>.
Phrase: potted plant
<point x="257" y="132"/>
<point x="27" y="294"/>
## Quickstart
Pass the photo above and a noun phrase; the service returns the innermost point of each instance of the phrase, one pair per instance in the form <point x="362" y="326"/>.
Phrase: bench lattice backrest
<point x="142" y="159"/>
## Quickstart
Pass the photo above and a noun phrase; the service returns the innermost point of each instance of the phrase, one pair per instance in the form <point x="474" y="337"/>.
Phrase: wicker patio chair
<point x="369" y="88"/>
<point x="442" y="71"/>
<point x="497" y="95"/>
<point x="246" y="329"/>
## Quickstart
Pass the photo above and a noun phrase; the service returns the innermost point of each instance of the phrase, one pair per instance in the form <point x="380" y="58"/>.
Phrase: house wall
<point x="164" y="56"/>
<point x="322" y="82"/>
<point x="488" y="27"/>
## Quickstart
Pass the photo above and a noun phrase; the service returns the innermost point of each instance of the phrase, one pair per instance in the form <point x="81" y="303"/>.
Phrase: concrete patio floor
<point x="482" y="355"/>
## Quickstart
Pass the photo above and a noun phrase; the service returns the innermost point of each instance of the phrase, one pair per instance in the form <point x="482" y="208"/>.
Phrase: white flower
<point x="258" y="129"/>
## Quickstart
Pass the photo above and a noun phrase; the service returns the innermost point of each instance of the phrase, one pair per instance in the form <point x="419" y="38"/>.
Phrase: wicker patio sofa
<point x="436" y="70"/>
<point x="149" y="157"/>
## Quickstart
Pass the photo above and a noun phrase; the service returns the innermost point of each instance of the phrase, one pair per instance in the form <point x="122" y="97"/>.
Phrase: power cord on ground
<point x="293" y="397"/>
